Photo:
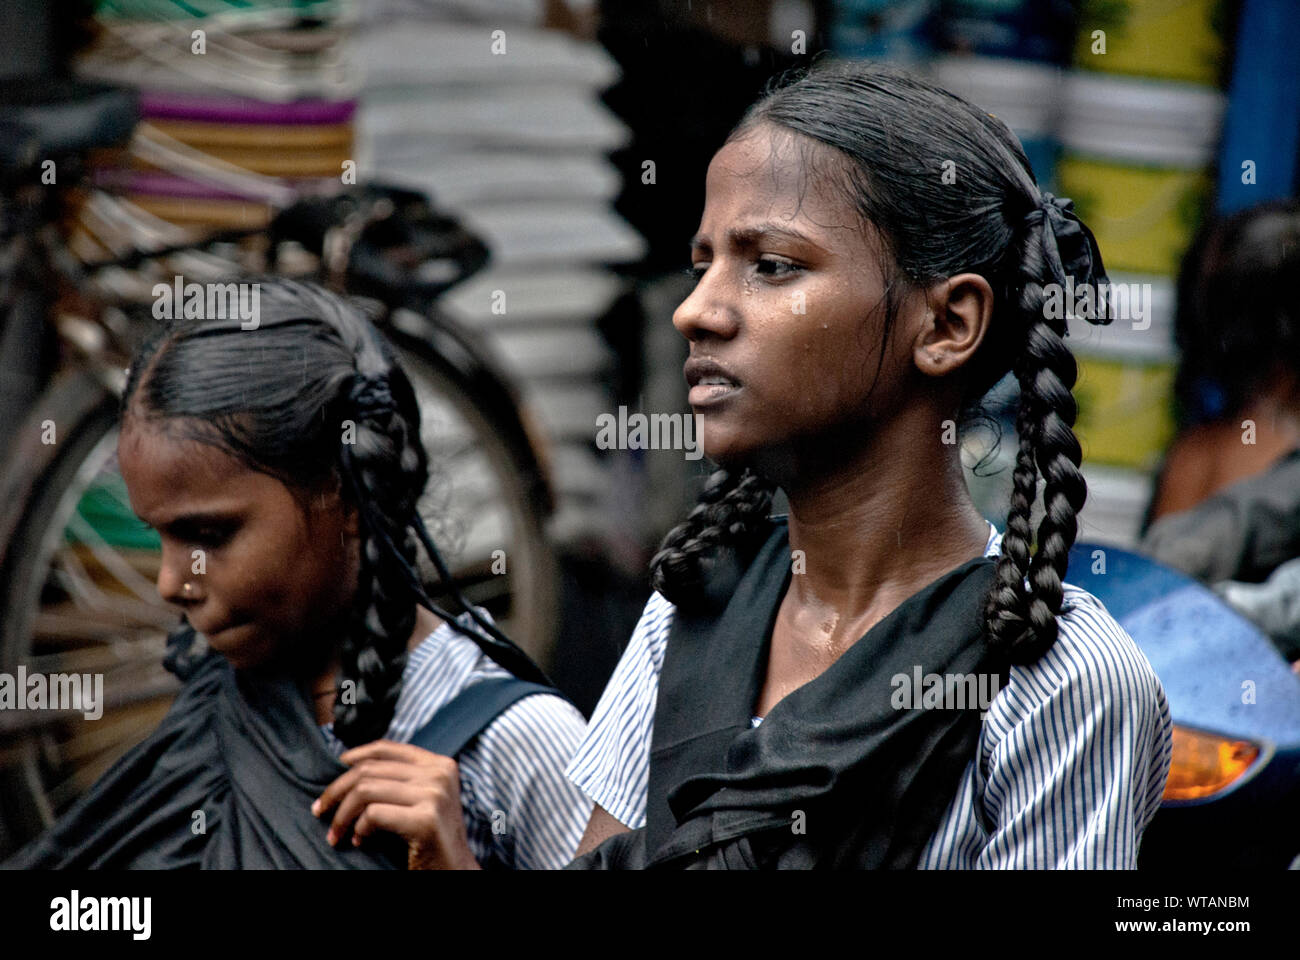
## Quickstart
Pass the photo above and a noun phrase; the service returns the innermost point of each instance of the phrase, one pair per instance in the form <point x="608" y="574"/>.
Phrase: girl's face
<point x="785" y="321"/>
<point x="265" y="570"/>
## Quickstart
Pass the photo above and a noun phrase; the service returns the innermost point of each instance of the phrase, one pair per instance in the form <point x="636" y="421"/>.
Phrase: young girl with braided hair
<point x="874" y="255"/>
<point x="282" y="466"/>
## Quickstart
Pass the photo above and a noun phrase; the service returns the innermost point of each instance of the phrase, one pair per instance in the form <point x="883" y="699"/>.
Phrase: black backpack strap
<point x="465" y="716"/>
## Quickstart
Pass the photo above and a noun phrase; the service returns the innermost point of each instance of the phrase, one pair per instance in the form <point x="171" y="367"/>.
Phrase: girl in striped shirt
<point x="873" y="256"/>
<point x="282" y="466"/>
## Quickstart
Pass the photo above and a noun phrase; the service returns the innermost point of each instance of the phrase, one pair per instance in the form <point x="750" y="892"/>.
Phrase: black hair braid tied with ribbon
<point x="1071" y="255"/>
<point x="370" y="396"/>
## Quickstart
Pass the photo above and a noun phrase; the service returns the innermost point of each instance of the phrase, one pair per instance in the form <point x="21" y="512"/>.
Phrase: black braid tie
<point x="1069" y="248"/>
<point x="371" y="398"/>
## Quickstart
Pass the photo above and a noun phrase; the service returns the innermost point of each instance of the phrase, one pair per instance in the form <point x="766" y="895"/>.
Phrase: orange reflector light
<point x="1203" y="763"/>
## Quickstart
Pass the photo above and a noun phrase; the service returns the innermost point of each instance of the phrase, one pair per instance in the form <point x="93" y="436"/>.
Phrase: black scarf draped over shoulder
<point x="241" y="747"/>
<point x="835" y="776"/>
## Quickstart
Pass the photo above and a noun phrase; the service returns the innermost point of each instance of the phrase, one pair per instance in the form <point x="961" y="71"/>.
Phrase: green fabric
<point x="106" y="507"/>
<point x="188" y="9"/>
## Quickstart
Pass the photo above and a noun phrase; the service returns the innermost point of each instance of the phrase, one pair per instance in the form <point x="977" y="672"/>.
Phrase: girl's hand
<point x="408" y="791"/>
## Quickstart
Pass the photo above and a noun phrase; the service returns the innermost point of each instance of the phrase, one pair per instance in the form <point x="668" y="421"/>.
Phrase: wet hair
<point x="277" y="398"/>
<point x="1234" y="297"/>
<point x="882" y="138"/>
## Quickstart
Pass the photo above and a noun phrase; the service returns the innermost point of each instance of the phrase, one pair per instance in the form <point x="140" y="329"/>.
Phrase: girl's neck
<point x="881" y="525"/>
<point x="323" y="686"/>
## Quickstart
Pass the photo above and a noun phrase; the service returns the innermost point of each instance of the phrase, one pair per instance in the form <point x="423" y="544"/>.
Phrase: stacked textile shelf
<point x="304" y="145"/>
<point x="1139" y="129"/>
<point x="501" y="122"/>
<point x="257" y="88"/>
<point x="894" y="29"/>
<point x="1024" y="94"/>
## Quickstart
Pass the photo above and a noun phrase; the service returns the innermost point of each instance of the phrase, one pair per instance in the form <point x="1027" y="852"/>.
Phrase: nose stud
<point x="187" y="590"/>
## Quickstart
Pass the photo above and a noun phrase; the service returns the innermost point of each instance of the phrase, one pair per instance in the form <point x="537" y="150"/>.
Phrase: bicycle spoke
<point x="92" y="765"/>
<point x="111" y="560"/>
<point x="119" y="652"/>
<point x="123" y="688"/>
<point x="112" y="730"/>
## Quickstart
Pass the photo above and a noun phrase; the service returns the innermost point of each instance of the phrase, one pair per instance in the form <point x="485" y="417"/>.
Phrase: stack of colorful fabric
<point x="261" y="88"/>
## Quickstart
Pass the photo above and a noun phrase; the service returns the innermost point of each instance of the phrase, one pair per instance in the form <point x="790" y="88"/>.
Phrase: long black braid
<point x="1021" y="620"/>
<point x="386" y="468"/>
<point x="890" y="135"/>
<point x="314" y="392"/>
<point x="729" y="513"/>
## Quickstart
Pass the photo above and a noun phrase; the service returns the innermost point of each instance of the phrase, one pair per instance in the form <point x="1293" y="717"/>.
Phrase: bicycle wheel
<point x="76" y="596"/>
<point x="78" y="573"/>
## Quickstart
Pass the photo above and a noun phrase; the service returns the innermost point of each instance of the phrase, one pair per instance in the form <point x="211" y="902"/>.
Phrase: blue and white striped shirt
<point x="513" y="769"/>
<point x="1073" y="753"/>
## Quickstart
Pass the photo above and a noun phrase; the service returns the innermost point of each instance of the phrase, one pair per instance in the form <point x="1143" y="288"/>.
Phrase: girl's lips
<point x="710" y="394"/>
<point x="710" y="381"/>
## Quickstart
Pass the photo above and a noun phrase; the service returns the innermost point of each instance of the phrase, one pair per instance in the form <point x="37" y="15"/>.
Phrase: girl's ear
<point x="351" y="518"/>
<point x="351" y="514"/>
<point x="330" y="496"/>
<point x="960" y="311"/>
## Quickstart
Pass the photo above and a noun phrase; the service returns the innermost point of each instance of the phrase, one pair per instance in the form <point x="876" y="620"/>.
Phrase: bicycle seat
<point x="44" y="117"/>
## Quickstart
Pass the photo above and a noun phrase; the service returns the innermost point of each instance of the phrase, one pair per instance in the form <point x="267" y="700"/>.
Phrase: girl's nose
<point x="175" y="582"/>
<point x="705" y="313"/>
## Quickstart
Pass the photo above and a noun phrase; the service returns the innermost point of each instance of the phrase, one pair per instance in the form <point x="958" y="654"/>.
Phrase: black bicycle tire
<point x="34" y="481"/>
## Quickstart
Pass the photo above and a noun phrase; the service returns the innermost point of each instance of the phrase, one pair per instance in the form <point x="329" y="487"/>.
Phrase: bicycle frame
<point x="344" y="230"/>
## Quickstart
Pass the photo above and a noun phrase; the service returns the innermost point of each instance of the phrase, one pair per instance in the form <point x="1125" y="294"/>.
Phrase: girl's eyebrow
<point x="215" y="517"/>
<point x="749" y="236"/>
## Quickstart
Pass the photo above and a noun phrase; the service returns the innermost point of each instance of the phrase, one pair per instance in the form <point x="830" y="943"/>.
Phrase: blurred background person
<point x="1226" y="506"/>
